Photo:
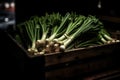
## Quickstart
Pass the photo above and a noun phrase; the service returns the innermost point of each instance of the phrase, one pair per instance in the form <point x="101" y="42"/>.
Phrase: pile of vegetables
<point x="57" y="33"/>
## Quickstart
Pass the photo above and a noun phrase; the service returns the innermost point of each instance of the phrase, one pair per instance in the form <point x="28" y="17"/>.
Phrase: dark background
<point x="12" y="62"/>
<point x="38" y="7"/>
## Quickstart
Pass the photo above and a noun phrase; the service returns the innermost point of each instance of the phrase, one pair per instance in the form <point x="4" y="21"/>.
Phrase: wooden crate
<point x="73" y="64"/>
<point x="81" y="62"/>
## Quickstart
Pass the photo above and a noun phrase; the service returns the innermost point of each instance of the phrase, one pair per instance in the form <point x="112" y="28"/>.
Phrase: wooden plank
<point x="78" y="54"/>
<point x="81" y="69"/>
<point x="110" y="19"/>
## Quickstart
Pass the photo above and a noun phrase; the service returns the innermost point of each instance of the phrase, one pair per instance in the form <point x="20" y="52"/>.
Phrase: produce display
<point x="56" y="32"/>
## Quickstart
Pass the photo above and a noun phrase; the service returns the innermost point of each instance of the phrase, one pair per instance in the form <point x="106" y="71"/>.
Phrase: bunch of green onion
<point x="57" y="33"/>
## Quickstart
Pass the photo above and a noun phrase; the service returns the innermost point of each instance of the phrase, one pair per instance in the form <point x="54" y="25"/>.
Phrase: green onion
<point x="64" y="20"/>
<point x="56" y="33"/>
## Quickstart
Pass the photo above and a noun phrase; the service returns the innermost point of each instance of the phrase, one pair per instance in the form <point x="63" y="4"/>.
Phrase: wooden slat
<point x="79" y="54"/>
<point x="110" y="19"/>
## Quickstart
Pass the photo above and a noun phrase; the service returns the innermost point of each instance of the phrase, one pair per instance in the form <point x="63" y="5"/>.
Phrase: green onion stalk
<point x="56" y="31"/>
<point x="61" y="27"/>
<point x="71" y="28"/>
<point x="33" y="31"/>
<point x="86" y="26"/>
<point x="106" y="37"/>
<point x="40" y="43"/>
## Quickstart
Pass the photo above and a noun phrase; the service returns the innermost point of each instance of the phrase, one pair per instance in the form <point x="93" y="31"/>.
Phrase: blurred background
<point x="13" y="12"/>
<point x="39" y="7"/>
<point x="7" y="13"/>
